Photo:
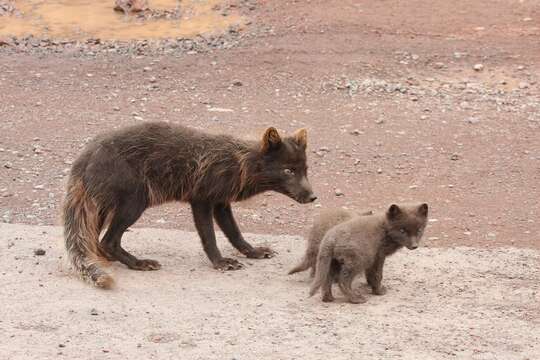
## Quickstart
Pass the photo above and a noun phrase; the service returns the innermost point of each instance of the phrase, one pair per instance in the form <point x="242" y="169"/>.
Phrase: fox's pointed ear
<point x="423" y="209"/>
<point x="300" y="137"/>
<point x="393" y="211"/>
<point x="270" y="140"/>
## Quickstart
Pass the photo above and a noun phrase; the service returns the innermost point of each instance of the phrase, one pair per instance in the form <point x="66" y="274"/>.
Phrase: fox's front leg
<point x="374" y="276"/>
<point x="202" y="215"/>
<point x="225" y="219"/>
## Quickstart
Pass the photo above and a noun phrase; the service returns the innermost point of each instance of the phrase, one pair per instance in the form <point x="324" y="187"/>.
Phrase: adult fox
<point x="122" y="173"/>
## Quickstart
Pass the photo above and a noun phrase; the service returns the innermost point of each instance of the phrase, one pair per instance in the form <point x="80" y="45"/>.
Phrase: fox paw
<point x="260" y="253"/>
<point x="381" y="290"/>
<point x="226" y="264"/>
<point x="328" y="298"/>
<point x="357" y="299"/>
<point x="146" y="265"/>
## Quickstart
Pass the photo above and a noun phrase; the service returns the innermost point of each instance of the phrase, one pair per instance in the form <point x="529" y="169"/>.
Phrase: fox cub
<point x="361" y="244"/>
<point x="324" y="222"/>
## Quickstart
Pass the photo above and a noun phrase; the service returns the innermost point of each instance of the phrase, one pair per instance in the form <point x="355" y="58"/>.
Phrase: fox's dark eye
<point x="288" y="172"/>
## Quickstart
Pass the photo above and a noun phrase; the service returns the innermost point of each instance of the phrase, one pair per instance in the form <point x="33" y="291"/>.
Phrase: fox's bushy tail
<point x="81" y="235"/>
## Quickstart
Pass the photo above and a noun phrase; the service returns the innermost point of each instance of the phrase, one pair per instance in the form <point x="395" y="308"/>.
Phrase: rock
<point x="439" y="65"/>
<point x="8" y="165"/>
<point x="324" y="149"/>
<point x="116" y="108"/>
<point x="94" y="312"/>
<point x="478" y="67"/>
<point x="153" y="79"/>
<point x="338" y="192"/>
<point x="379" y="171"/>
<point x="473" y="120"/>
<point x="132" y="6"/>
<point x="237" y="83"/>
<point x="379" y="121"/>
<point x="454" y="157"/>
<point x="39" y="187"/>
<point x="147" y="68"/>
<point x="39" y="252"/>
<point x="523" y="85"/>
<point x="356" y="132"/>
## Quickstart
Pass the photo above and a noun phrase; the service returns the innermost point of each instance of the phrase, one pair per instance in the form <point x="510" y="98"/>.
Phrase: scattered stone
<point x="116" y="108"/>
<point x="523" y="85"/>
<point x="39" y="187"/>
<point x="473" y="120"/>
<point x="478" y="67"/>
<point x="379" y="121"/>
<point x="439" y="65"/>
<point x="8" y="165"/>
<point x="39" y="252"/>
<point x="153" y="79"/>
<point x="324" y="149"/>
<point x="147" y="69"/>
<point x="94" y="312"/>
<point x="379" y="171"/>
<point x="338" y="192"/>
<point x="454" y="157"/>
<point x="356" y="132"/>
<point x="237" y="83"/>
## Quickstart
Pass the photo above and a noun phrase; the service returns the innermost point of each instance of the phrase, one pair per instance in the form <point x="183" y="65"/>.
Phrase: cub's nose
<point x="312" y="198"/>
<point x="412" y="247"/>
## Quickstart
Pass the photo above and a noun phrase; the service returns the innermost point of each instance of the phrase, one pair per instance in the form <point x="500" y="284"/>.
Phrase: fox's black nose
<point x="312" y="198"/>
<point x="414" y="247"/>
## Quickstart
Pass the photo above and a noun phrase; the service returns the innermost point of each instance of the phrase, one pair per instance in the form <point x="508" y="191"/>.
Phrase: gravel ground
<point x="461" y="303"/>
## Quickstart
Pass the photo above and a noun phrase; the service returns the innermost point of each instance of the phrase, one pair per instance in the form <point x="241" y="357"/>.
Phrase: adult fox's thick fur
<point x="362" y="244"/>
<point x="122" y="173"/>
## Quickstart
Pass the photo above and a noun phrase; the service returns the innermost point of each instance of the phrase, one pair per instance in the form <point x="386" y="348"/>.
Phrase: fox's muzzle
<point x="302" y="192"/>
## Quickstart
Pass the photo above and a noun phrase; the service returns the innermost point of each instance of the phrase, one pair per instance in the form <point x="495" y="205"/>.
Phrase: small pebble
<point x="478" y="67"/>
<point x="39" y="252"/>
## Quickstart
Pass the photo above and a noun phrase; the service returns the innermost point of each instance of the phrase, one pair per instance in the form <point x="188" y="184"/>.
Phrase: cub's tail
<point x="81" y="234"/>
<point x="302" y="266"/>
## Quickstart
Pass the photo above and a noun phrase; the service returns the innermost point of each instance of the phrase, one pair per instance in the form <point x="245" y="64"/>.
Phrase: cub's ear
<point x="300" y="137"/>
<point x="270" y="140"/>
<point x="423" y="209"/>
<point x="393" y="211"/>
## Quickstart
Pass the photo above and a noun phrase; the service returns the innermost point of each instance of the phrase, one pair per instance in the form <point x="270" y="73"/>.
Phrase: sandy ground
<point x="461" y="303"/>
<point x="387" y="90"/>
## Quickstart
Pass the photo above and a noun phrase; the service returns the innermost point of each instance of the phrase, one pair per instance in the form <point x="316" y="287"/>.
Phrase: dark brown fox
<point x="122" y="173"/>
<point x="362" y="244"/>
<point x="324" y="222"/>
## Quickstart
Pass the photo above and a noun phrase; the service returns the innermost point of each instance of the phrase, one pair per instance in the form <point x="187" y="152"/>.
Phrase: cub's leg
<point x="345" y="279"/>
<point x="326" y="287"/>
<point x="124" y="216"/>
<point x="225" y="219"/>
<point x="374" y="276"/>
<point x="202" y="215"/>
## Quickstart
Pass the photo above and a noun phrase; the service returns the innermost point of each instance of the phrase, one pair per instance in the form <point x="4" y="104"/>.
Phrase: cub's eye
<point x="403" y="231"/>
<point x="288" y="172"/>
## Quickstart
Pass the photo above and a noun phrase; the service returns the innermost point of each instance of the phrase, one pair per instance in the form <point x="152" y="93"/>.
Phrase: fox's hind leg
<point x="225" y="219"/>
<point x="345" y="279"/>
<point x="124" y="216"/>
